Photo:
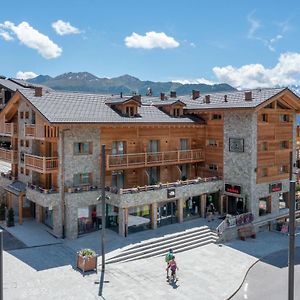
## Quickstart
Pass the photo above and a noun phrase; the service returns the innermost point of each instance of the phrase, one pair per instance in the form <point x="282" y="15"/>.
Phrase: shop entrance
<point x="48" y="217"/>
<point x="166" y="213"/>
<point x="235" y="205"/>
<point x="191" y="208"/>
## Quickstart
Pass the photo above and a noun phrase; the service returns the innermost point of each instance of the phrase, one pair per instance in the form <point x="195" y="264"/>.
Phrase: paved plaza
<point x="213" y="271"/>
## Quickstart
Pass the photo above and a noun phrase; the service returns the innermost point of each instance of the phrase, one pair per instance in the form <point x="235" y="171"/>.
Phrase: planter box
<point x="86" y="263"/>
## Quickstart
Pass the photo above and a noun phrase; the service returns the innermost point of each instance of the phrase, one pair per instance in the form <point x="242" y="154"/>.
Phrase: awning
<point x="16" y="188"/>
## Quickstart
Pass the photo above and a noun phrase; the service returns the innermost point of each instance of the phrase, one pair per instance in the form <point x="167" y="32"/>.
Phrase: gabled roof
<point x="170" y="101"/>
<point x="9" y="85"/>
<point x="63" y="107"/>
<point x="123" y="100"/>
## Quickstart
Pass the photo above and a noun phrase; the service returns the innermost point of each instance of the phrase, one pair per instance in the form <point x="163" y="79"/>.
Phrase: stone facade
<point x="240" y="167"/>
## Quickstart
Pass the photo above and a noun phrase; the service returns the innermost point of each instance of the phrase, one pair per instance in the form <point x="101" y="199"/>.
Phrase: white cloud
<point x="194" y="81"/>
<point x="151" y="40"/>
<point x="285" y="72"/>
<point x="63" y="28"/>
<point x="32" y="38"/>
<point x="26" y="75"/>
<point x="254" y="25"/>
<point x="6" y="36"/>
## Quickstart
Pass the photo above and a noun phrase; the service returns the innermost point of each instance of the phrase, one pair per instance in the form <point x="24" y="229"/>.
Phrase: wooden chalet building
<point x="166" y="156"/>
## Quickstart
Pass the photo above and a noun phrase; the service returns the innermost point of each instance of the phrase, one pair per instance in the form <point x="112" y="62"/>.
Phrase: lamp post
<point x="103" y="171"/>
<point x="1" y="264"/>
<point x="291" y="261"/>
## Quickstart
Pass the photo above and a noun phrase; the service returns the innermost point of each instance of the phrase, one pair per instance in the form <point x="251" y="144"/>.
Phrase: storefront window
<point x="264" y="206"/>
<point x="166" y="214"/>
<point x="191" y="208"/>
<point x="283" y="200"/>
<point x="139" y="218"/>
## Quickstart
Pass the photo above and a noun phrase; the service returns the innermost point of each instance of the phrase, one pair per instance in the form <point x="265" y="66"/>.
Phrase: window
<point x="264" y="206"/>
<point x="283" y="200"/>
<point x="154" y="175"/>
<point x="264" y="146"/>
<point x="22" y="156"/>
<point x="83" y="148"/>
<point x="283" y="169"/>
<point x="216" y="117"/>
<point x="176" y="112"/>
<point x="26" y="143"/>
<point x="283" y="118"/>
<point x="153" y="146"/>
<point x="21" y="115"/>
<point x="212" y="167"/>
<point x="264" y="117"/>
<point x="130" y="111"/>
<point x="22" y="170"/>
<point x="26" y="114"/>
<point x="212" y="143"/>
<point x="283" y="145"/>
<point x="33" y="117"/>
<point x="118" y="148"/>
<point x="264" y="172"/>
<point x="118" y="179"/>
<point x="184" y="171"/>
<point x="21" y="143"/>
<point x="27" y="172"/>
<point x="184" y="144"/>
<point x="82" y="179"/>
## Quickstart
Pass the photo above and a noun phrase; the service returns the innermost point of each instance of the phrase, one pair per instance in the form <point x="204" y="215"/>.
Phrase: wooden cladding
<point x="140" y="160"/>
<point x="10" y="156"/>
<point x="50" y="131"/>
<point x="8" y="129"/>
<point x="31" y="130"/>
<point x="41" y="164"/>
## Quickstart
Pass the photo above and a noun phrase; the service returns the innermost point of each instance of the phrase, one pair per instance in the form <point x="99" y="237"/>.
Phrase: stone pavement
<point x="209" y="272"/>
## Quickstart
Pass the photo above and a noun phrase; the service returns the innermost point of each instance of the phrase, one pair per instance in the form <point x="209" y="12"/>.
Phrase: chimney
<point x="137" y="98"/>
<point x="121" y="95"/>
<point x="248" y="96"/>
<point x="195" y="94"/>
<point x="162" y="96"/>
<point x="173" y="94"/>
<point x="207" y="99"/>
<point x="225" y="98"/>
<point x="38" y="91"/>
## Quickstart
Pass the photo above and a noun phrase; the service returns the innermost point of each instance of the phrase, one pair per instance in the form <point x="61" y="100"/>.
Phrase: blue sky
<point x="244" y="43"/>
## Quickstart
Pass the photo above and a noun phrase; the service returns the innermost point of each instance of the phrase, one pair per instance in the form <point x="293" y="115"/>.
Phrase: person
<point x="168" y="258"/>
<point x="173" y="266"/>
<point x="210" y="212"/>
<point x="94" y="217"/>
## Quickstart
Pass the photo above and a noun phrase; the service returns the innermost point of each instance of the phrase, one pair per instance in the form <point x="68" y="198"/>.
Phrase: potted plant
<point x="2" y="212"/>
<point x="10" y="218"/>
<point x="86" y="260"/>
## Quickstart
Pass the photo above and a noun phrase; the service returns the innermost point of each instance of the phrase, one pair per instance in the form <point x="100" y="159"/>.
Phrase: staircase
<point x="179" y="242"/>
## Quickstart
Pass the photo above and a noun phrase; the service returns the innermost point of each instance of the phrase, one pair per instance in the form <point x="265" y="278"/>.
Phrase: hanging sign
<point x="233" y="189"/>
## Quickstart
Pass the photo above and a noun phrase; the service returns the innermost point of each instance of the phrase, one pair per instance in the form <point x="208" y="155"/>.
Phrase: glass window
<point x="154" y="175"/>
<point x="264" y="117"/>
<point x="184" y="171"/>
<point x="82" y="148"/>
<point x="212" y="142"/>
<point x="283" y="169"/>
<point x="82" y="179"/>
<point x="118" y="179"/>
<point x="184" y="144"/>
<point x="216" y="117"/>
<point x="130" y="111"/>
<point x="283" y="145"/>
<point x="176" y="112"/>
<point x="283" y="118"/>
<point x="265" y="146"/>
<point x="153" y="146"/>
<point x="213" y="167"/>
<point x="264" y="206"/>
<point x="118" y="147"/>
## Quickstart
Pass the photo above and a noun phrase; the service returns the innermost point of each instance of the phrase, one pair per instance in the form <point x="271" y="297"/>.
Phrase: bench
<point x="246" y="231"/>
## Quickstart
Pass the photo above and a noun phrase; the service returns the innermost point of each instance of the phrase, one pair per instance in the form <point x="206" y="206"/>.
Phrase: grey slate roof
<point x="62" y="107"/>
<point x="9" y="85"/>
<point x="16" y="187"/>
<point x="235" y="99"/>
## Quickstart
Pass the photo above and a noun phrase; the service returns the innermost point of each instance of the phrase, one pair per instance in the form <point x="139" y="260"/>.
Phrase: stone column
<point x="38" y="213"/>
<point x="123" y="221"/>
<point x="71" y="222"/>
<point x="20" y="200"/>
<point x="153" y="215"/>
<point x="221" y="201"/>
<point x="57" y="226"/>
<point x="203" y="205"/>
<point x="180" y="210"/>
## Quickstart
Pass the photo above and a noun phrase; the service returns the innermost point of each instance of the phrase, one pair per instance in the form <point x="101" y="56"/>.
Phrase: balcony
<point x="9" y="129"/>
<point x="41" y="196"/>
<point x="41" y="164"/>
<point x="8" y="155"/>
<point x="151" y="159"/>
<point x="29" y="130"/>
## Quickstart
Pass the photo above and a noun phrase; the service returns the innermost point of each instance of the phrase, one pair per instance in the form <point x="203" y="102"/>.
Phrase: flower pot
<point x="86" y="263"/>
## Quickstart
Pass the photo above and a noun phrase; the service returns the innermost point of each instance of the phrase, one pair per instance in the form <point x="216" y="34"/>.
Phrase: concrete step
<point x="163" y="243"/>
<point x="159" y="250"/>
<point x="168" y="237"/>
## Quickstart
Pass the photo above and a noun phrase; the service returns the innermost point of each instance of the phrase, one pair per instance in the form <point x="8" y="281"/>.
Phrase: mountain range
<point x="87" y="82"/>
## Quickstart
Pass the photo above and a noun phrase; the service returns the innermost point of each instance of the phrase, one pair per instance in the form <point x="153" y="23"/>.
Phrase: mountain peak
<point x="77" y="76"/>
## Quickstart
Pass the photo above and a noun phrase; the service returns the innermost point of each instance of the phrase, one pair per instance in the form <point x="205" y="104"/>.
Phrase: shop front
<point x="235" y="202"/>
<point x="139" y="218"/>
<point x="47" y="216"/>
<point x="166" y="213"/>
<point x="192" y="208"/>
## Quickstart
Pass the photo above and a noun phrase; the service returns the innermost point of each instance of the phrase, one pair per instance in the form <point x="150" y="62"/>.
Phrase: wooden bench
<point x="246" y="231"/>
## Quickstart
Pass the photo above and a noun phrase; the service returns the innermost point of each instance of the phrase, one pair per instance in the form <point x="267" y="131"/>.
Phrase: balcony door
<point x="118" y="148"/>
<point x="153" y="146"/>
<point x="154" y="175"/>
<point x="118" y="179"/>
<point x="184" y="144"/>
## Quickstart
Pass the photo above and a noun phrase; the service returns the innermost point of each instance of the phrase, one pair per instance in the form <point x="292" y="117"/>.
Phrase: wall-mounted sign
<point x="233" y="189"/>
<point x="171" y="193"/>
<point x="236" y="145"/>
<point x="275" y="187"/>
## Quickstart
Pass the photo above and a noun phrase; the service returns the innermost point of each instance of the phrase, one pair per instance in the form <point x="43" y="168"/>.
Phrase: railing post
<point x="44" y="164"/>
<point x="127" y="160"/>
<point x="146" y="158"/>
<point x="178" y="156"/>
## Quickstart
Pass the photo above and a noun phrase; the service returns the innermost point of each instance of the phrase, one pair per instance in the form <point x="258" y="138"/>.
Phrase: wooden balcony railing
<point x="10" y="129"/>
<point x="29" y="130"/>
<point x="41" y="164"/>
<point x="150" y="159"/>
<point x="8" y="155"/>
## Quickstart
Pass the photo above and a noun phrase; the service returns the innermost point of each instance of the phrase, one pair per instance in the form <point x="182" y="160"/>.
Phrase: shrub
<point x="10" y="218"/>
<point x="87" y="252"/>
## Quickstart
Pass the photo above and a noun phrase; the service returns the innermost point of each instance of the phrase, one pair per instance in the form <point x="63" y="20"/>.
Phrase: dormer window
<point x="130" y="111"/>
<point x="176" y="112"/>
